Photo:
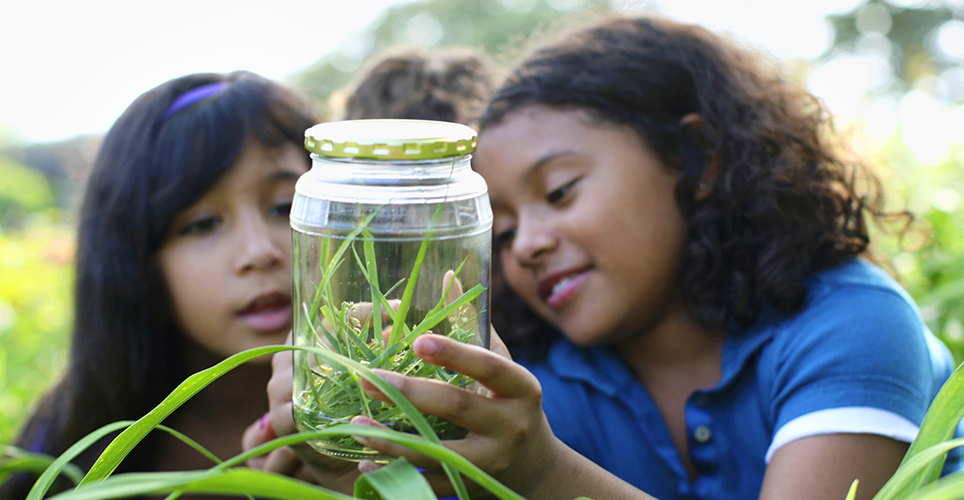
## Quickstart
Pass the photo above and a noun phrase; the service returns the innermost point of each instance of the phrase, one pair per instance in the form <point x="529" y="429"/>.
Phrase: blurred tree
<point x="917" y="38"/>
<point x="23" y="190"/>
<point x="36" y="256"/>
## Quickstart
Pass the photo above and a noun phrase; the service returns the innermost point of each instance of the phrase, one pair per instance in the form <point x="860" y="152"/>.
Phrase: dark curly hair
<point x="449" y="84"/>
<point x="785" y="201"/>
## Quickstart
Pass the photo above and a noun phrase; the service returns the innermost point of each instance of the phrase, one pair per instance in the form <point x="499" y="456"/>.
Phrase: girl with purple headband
<point x="183" y="259"/>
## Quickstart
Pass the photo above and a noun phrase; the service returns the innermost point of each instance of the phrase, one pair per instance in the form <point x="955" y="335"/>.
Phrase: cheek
<point x="190" y="283"/>
<point x="520" y="281"/>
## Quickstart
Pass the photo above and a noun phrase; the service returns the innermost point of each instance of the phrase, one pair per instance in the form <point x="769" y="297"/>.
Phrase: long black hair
<point x="125" y="354"/>
<point x="785" y="202"/>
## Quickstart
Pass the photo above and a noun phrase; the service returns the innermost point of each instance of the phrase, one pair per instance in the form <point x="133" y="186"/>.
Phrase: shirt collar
<point x="604" y="370"/>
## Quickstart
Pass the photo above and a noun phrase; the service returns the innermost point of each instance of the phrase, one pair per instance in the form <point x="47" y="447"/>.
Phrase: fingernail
<point x="425" y="346"/>
<point x="366" y="466"/>
<point x="263" y="422"/>
<point x="363" y="421"/>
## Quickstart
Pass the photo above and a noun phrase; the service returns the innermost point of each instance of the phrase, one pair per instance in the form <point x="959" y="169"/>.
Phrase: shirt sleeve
<point x="862" y="350"/>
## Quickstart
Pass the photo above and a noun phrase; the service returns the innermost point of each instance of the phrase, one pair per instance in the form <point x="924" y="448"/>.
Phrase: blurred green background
<point x="907" y="120"/>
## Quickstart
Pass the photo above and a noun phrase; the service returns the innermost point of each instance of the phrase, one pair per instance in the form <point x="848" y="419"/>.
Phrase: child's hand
<point x="299" y="461"/>
<point x="509" y="436"/>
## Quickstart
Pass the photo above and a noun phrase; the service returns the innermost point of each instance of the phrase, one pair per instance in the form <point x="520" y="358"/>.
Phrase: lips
<point x="268" y="313"/>
<point x="557" y="288"/>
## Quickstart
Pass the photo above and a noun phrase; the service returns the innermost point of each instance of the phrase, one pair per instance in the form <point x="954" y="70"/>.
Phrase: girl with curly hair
<point x="689" y="288"/>
<point x="700" y="318"/>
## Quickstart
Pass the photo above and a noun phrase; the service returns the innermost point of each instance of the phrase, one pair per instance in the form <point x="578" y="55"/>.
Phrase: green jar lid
<point x="391" y="139"/>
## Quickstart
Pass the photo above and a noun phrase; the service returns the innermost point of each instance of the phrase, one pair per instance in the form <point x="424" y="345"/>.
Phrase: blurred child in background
<point x="448" y="84"/>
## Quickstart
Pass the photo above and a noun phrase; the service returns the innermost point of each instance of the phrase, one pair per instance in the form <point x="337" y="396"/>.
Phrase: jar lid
<point x="391" y="139"/>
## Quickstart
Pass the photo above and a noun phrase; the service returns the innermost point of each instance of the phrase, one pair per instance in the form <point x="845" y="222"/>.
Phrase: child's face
<point x="227" y="260"/>
<point x="588" y="229"/>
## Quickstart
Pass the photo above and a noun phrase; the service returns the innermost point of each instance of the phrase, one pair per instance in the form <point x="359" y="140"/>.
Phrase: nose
<point x="258" y="248"/>
<point x="534" y="238"/>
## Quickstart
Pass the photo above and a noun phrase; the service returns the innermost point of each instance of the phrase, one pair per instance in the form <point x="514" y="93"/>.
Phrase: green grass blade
<point x="435" y="318"/>
<point x="16" y="460"/>
<point x="399" y="480"/>
<point x="402" y="313"/>
<point x="125" y="442"/>
<point x="410" y="286"/>
<point x="426" y="324"/>
<point x="437" y="451"/>
<point x="50" y="475"/>
<point x="950" y="487"/>
<point x="371" y="266"/>
<point x="912" y="468"/>
<point x="192" y="443"/>
<point x="349" y="334"/>
<point x="938" y="426"/>
<point x="239" y="482"/>
<point x="324" y="288"/>
<point x="418" y="421"/>
<point x="431" y="449"/>
<point x="852" y="494"/>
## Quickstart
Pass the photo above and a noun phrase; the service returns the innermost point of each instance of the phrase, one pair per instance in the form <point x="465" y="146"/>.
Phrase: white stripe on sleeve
<point x="848" y="420"/>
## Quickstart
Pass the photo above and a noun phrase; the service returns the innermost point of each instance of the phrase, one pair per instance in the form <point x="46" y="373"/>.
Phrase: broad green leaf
<point x="240" y="481"/>
<point x="912" y="468"/>
<point x="16" y="460"/>
<point x="950" y="487"/>
<point x="127" y="440"/>
<point x="435" y="450"/>
<point x="399" y="480"/>
<point x="939" y="425"/>
<point x="47" y="479"/>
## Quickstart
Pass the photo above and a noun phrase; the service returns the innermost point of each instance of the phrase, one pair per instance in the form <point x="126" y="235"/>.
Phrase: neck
<point x="678" y="347"/>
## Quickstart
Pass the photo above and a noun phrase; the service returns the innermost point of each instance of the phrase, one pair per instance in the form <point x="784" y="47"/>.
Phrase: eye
<point x="199" y="226"/>
<point x="557" y="195"/>
<point x="503" y="240"/>
<point x="282" y="209"/>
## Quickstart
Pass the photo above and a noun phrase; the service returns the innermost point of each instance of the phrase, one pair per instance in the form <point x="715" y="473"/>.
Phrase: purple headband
<point x="192" y="96"/>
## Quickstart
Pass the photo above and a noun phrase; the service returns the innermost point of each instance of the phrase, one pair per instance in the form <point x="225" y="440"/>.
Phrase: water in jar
<point x="368" y="285"/>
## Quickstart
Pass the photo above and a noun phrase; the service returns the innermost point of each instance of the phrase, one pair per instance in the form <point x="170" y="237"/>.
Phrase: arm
<point x="509" y="436"/>
<point x="823" y="467"/>
<point x="865" y="359"/>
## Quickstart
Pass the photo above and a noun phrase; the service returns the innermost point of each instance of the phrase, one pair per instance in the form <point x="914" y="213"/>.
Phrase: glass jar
<point x="391" y="238"/>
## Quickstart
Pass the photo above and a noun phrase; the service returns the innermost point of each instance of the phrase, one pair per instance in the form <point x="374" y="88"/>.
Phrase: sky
<point x="71" y="67"/>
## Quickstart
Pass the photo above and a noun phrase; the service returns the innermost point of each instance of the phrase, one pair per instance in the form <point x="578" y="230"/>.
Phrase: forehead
<point x="524" y="139"/>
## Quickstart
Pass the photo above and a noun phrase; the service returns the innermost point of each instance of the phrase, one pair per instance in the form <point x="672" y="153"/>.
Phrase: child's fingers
<point x="362" y="311"/>
<point x="490" y="368"/>
<point x="497" y="346"/>
<point x="387" y="447"/>
<point x="435" y="397"/>
<point x="390" y="448"/>
<point x="455" y="290"/>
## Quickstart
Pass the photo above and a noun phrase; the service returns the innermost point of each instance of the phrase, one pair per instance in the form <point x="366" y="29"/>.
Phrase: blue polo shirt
<point x="856" y="358"/>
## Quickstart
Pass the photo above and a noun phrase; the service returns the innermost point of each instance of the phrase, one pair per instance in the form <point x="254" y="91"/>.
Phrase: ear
<point x="712" y="168"/>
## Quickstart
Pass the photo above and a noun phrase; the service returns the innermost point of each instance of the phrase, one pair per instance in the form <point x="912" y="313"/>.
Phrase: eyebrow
<point x="282" y="175"/>
<point x="542" y="162"/>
